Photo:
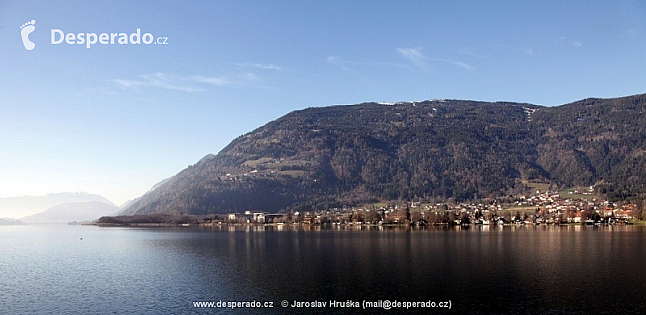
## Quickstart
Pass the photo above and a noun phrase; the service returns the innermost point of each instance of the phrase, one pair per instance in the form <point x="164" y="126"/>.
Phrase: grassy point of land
<point x="543" y="187"/>
<point x="376" y="205"/>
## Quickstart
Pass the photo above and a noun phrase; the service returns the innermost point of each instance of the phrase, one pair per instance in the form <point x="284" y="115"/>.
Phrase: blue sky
<point x="115" y="119"/>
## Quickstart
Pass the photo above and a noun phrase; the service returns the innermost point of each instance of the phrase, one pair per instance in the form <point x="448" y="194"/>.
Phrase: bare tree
<point x="638" y="211"/>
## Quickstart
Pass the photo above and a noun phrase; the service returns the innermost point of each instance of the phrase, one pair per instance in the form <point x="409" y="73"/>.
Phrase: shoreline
<point x="327" y="225"/>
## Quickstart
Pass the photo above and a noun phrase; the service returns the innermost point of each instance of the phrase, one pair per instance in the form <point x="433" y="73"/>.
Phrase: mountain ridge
<point x="72" y="212"/>
<point x="22" y="206"/>
<point x="124" y="208"/>
<point x="430" y="150"/>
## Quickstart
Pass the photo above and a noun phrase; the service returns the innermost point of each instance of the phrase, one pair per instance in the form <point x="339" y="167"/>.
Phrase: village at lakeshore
<point x="575" y="206"/>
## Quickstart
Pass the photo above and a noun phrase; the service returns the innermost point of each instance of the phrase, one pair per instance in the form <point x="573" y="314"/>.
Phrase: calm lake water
<point x="531" y="269"/>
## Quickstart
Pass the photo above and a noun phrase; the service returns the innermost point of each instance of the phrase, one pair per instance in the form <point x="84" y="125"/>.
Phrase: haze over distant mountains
<point x="10" y="222"/>
<point x="72" y="212"/>
<point x="18" y="207"/>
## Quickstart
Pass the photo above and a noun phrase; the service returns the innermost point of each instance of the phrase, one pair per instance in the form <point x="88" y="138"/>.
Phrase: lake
<point x="481" y="269"/>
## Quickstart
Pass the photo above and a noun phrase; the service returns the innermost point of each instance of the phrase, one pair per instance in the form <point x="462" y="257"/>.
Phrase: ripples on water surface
<point x="527" y="269"/>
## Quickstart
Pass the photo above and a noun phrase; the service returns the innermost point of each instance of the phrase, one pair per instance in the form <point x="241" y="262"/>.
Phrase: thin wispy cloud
<point x="249" y="76"/>
<point x="161" y="80"/>
<point x="461" y="64"/>
<point x="565" y="41"/>
<point x="529" y="52"/>
<point x="127" y="83"/>
<point x="343" y="64"/>
<point x="219" y="81"/>
<point x="184" y="84"/>
<point x="231" y="80"/>
<point x="349" y="65"/>
<point x="420" y="60"/>
<point x="472" y="52"/>
<point x="155" y="80"/>
<point x="453" y="62"/>
<point x="265" y="66"/>
<point x="415" y="55"/>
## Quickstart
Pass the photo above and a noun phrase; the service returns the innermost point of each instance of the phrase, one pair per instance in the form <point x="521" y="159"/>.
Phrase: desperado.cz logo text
<point x="89" y="39"/>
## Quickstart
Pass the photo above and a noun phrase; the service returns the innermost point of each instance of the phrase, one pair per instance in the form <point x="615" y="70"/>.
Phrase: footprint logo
<point x="26" y="29"/>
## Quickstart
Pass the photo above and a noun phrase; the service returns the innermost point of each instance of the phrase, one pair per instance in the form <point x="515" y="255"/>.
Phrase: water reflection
<point x="516" y="268"/>
<point x="488" y="269"/>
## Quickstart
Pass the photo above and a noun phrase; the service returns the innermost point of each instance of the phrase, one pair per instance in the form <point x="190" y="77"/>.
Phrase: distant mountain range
<point x="428" y="150"/>
<point x="70" y="212"/>
<point x="18" y="207"/>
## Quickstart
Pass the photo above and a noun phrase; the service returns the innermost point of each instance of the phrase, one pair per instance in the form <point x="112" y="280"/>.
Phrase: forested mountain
<point x="430" y="150"/>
